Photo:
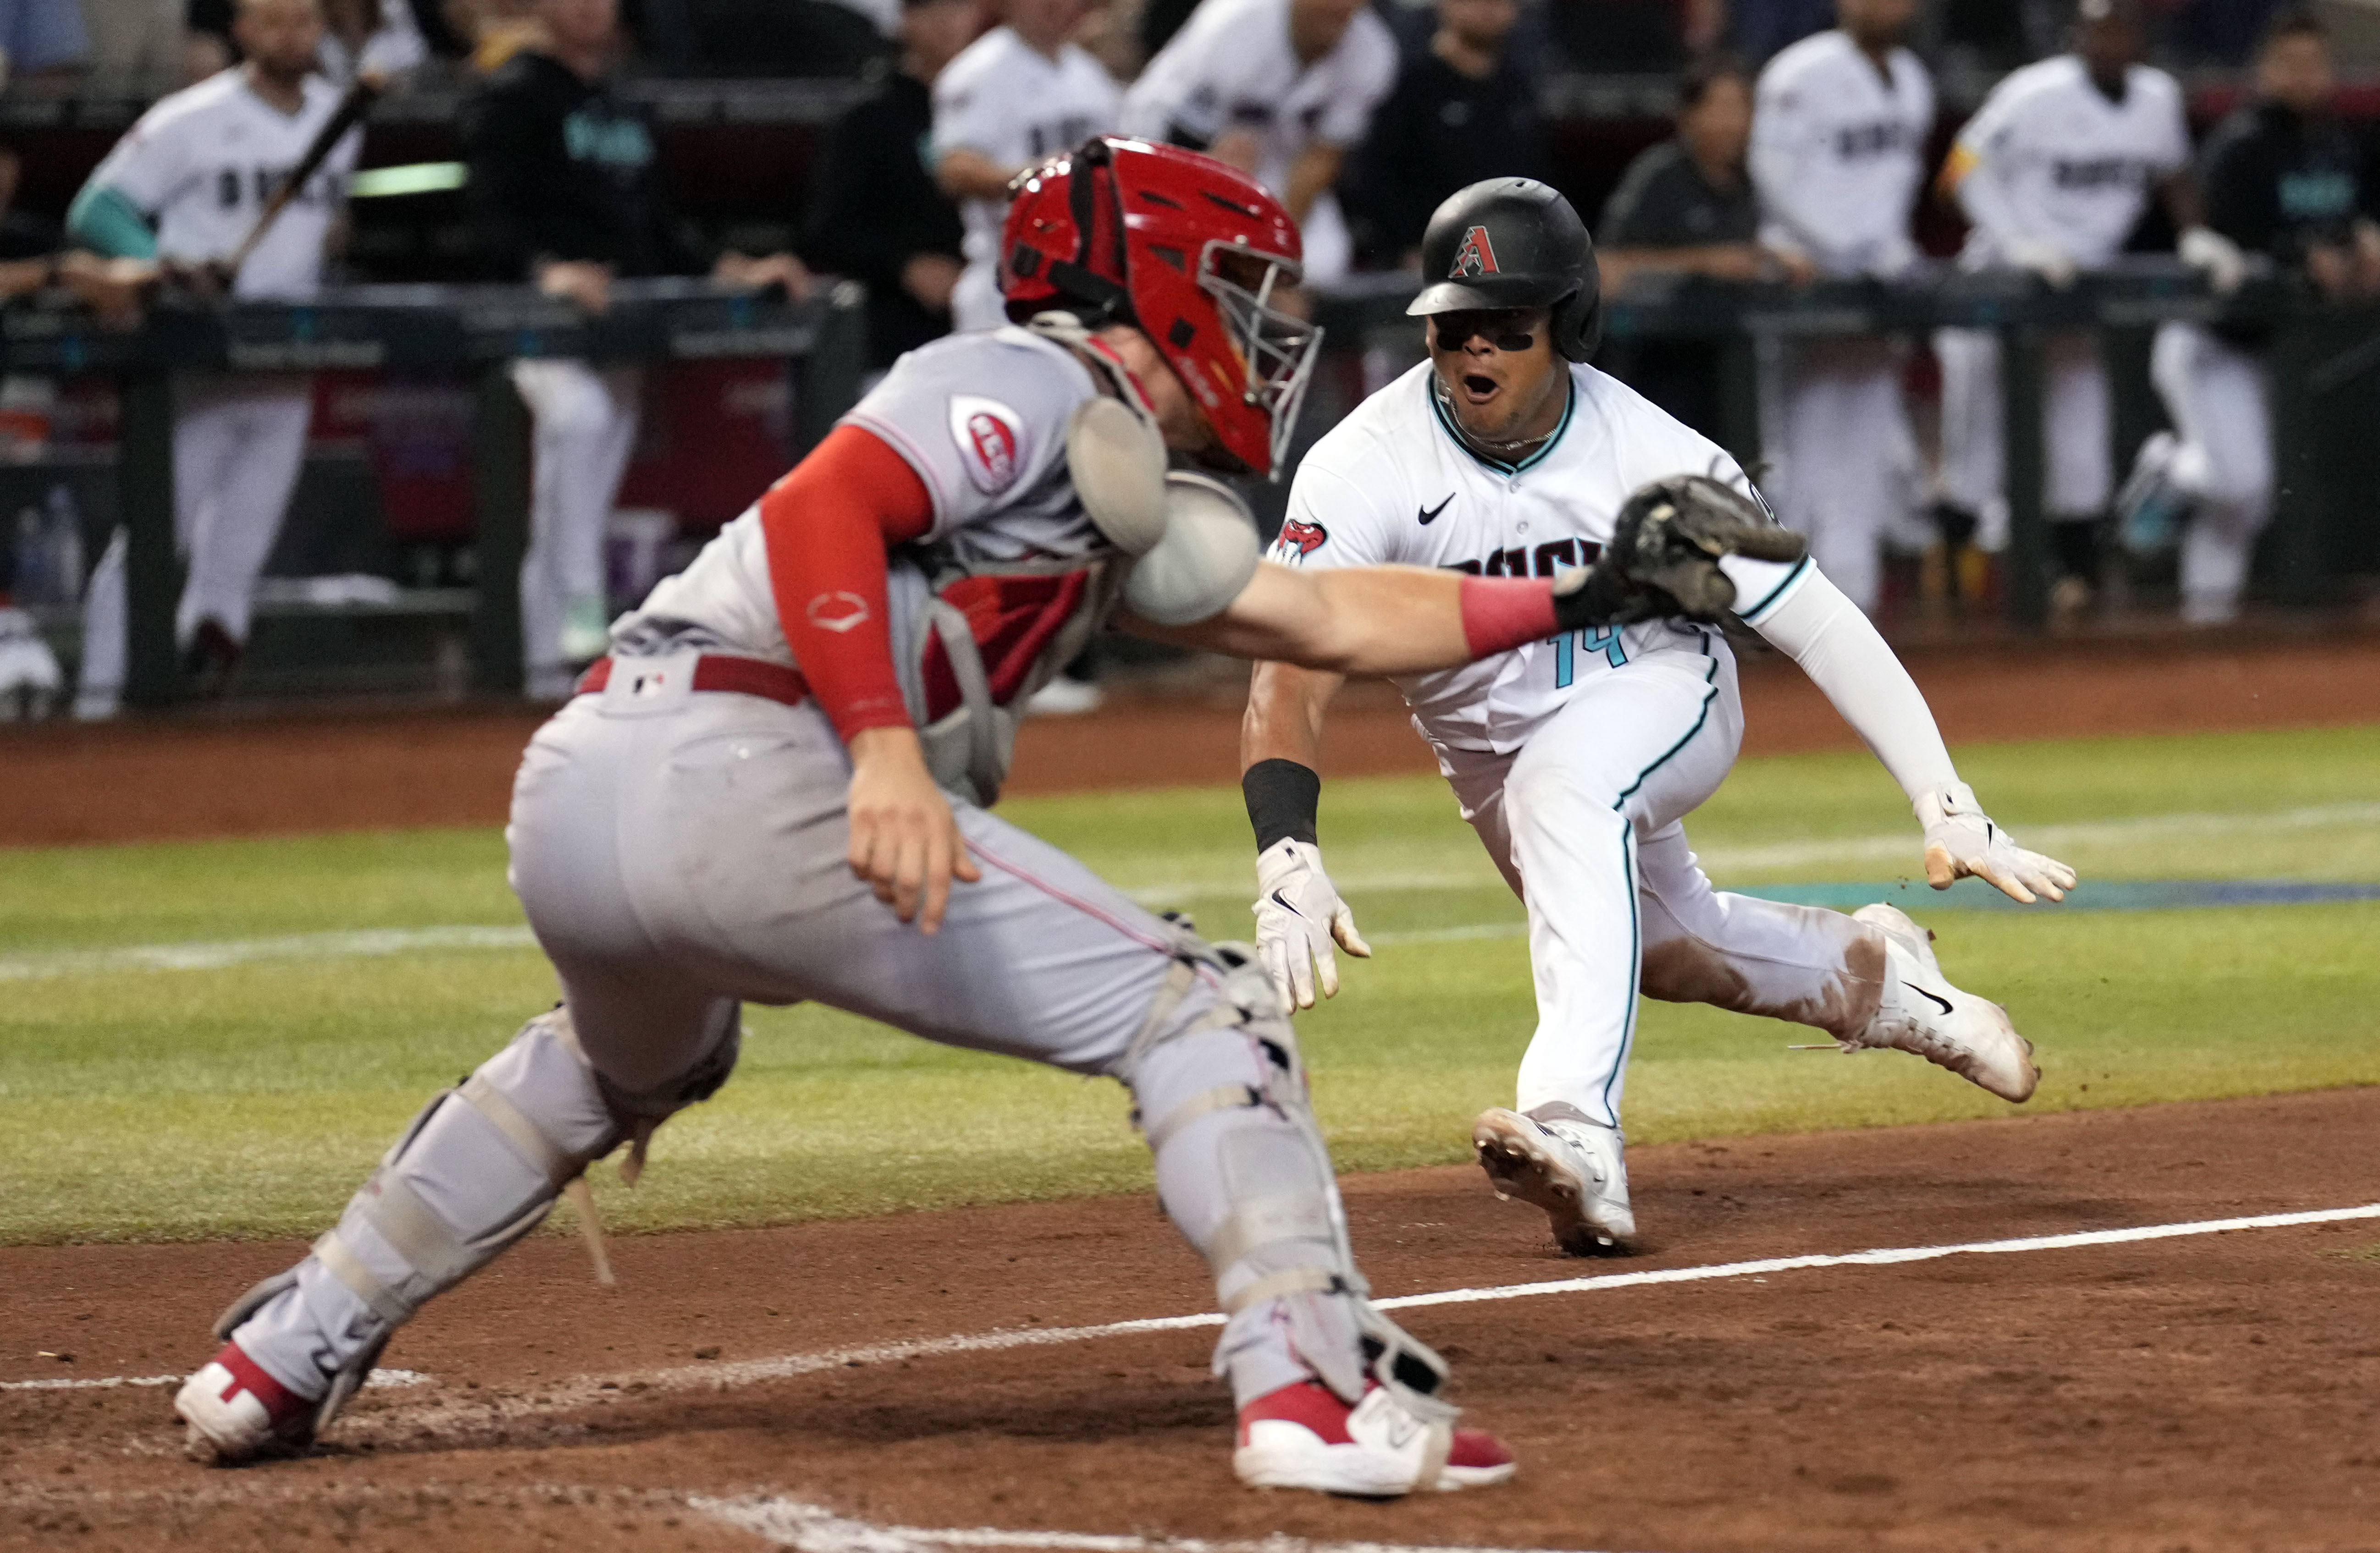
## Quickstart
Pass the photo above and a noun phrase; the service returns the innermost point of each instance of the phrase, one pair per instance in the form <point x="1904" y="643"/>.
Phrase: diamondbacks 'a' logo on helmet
<point x="1300" y="539"/>
<point x="1475" y="256"/>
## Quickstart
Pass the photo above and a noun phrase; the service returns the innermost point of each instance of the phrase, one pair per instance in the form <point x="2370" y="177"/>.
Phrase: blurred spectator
<point x="795" y="38"/>
<point x="43" y="40"/>
<point x="1619" y="36"/>
<point x="2217" y="32"/>
<point x="2283" y="177"/>
<point x="2054" y="171"/>
<point x="1839" y="126"/>
<point x="1280" y="89"/>
<point x="877" y="216"/>
<point x="137" y="41"/>
<point x="359" y="35"/>
<point x="1686" y="206"/>
<point x="568" y="194"/>
<point x="23" y="235"/>
<point x="1021" y="92"/>
<point x="1758" y="28"/>
<point x="1463" y="109"/>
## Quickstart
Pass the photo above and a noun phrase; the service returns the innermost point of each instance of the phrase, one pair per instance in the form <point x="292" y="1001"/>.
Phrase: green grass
<point x="248" y="1100"/>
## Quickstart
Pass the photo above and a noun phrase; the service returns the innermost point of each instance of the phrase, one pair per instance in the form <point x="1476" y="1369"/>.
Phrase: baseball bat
<point x="352" y="107"/>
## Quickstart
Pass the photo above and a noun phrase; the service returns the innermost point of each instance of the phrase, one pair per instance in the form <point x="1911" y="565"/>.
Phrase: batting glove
<point x="1299" y="915"/>
<point x="1962" y="843"/>
<point x="2203" y="248"/>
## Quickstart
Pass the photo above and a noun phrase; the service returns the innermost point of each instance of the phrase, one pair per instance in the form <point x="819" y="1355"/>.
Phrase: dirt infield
<point x="250" y="775"/>
<point x="2214" y="1392"/>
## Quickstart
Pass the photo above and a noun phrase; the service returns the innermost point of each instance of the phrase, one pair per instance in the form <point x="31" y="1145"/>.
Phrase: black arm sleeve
<point x="1283" y="798"/>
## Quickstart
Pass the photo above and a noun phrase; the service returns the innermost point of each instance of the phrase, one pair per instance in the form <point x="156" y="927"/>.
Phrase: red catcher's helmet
<point x="1189" y="251"/>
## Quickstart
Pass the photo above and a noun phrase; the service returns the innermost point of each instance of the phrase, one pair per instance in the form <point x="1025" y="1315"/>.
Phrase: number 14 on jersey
<point x="1587" y="640"/>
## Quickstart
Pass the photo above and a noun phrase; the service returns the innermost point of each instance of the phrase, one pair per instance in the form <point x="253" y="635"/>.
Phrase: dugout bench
<point x="482" y="330"/>
<point x="2319" y="355"/>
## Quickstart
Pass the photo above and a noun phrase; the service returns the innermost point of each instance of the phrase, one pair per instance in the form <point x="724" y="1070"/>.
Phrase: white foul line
<point x="105" y="1382"/>
<point x="813" y="1529"/>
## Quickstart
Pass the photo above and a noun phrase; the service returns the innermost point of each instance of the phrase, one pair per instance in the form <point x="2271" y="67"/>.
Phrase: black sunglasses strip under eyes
<point x="1503" y="330"/>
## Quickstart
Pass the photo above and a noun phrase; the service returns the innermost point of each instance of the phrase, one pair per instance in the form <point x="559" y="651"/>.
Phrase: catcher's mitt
<point x="1664" y="550"/>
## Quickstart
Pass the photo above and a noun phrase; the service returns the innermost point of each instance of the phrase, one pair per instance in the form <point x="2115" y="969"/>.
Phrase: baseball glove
<point x="1664" y="550"/>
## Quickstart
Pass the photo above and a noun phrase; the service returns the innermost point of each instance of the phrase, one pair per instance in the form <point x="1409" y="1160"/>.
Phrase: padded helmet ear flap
<point x="1578" y="318"/>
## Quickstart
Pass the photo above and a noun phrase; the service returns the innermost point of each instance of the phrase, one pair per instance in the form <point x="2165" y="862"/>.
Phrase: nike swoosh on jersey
<point x="1430" y="515"/>
<point x="1943" y="1003"/>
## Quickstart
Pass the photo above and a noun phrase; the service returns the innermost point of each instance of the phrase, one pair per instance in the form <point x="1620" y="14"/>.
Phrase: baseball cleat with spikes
<point x="238" y="1413"/>
<point x="1922" y="1013"/>
<point x="1566" y="1165"/>
<point x="1304" y="1436"/>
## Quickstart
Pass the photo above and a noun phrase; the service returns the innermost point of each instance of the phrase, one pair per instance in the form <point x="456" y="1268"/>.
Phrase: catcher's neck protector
<point x="1191" y="252"/>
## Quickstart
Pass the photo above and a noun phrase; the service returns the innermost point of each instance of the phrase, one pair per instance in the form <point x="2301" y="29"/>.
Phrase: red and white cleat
<point x="236" y="1412"/>
<point x="1304" y="1436"/>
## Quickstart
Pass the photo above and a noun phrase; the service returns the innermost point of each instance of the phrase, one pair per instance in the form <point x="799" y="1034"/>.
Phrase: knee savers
<point x="1242" y="1169"/>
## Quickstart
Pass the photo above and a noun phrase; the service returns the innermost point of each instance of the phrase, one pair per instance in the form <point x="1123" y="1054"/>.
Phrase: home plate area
<point x="2148" y="1329"/>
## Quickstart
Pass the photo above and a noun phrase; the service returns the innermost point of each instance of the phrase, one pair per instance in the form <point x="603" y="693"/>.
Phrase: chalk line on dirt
<point x="814" y="1529"/>
<point x="108" y="1382"/>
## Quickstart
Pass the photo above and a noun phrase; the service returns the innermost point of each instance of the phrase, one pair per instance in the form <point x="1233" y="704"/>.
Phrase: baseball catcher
<point x="775" y="788"/>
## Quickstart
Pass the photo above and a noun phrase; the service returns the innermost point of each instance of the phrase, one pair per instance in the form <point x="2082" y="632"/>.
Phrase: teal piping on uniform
<point x="1628" y="870"/>
<point x="103" y="219"/>
<point x="1775" y="593"/>
<point x="1570" y="405"/>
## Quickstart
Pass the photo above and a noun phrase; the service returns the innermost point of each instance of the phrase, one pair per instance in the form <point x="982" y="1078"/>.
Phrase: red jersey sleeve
<point x="827" y="526"/>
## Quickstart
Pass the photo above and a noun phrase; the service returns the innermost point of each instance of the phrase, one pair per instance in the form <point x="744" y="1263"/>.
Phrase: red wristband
<point x="1499" y="613"/>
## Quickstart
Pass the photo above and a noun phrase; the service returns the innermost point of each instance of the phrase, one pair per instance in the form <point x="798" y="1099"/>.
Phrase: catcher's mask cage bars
<point x="1278" y="350"/>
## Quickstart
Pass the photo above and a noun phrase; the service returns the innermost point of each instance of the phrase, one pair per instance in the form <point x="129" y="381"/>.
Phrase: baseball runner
<point x="189" y="183"/>
<point x="2054" y="171"/>
<point x="2283" y="177"/>
<point x="804" y="726"/>
<point x="1278" y="88"/>
<point x="1577" y="756"/>
<point x="1017" y="95"/>
<point x="1838" y="131"/>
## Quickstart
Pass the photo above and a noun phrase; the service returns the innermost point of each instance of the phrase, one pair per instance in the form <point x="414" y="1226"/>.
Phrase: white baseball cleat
<point x="236" y="1412"/>
<point x="1922" y="1013"/>
<point x="1566" y="1165"/>
<point x="1304" y="1436"/>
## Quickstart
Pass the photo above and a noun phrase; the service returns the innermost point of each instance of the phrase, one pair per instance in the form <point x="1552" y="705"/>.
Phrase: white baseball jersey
<point x="2067" y="165"/>
<point x="202" y="163"/>
<point x="1837" y="151"/>
<point x="1231" y="66"/>
<point x="1392" y="484"/>
<point x="1005" y="99"/>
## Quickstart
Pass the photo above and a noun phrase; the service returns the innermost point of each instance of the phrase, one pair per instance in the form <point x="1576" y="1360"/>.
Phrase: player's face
<point x="936" y="30"/>
<point x="1717" y="130"/>
<point x="2110" y="45"/>
<point x="1876" y="22"/>
<point x="1500" y="368"/>
<point x="581" y="24"/>
<point x="281" y="36"/>
<point x="1483" y="24"/>
<point x="1047" y="21"/>
<point x="2295" y="71"/>
<point x="1322" y="21"/>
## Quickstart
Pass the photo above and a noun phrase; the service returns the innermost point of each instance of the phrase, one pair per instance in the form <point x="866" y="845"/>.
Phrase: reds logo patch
<point x="1300" y="539"/>
<point x="1475" y="256"/>
<point x="986" y="433"/>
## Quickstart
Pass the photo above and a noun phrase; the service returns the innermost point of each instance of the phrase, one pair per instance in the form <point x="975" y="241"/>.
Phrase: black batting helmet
<point x="1514" y="243"/>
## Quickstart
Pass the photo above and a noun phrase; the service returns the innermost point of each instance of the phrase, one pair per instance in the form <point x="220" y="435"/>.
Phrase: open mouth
<point x="1479" y="387"/>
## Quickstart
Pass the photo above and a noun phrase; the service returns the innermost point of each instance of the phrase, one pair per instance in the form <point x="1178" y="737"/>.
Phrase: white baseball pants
<point x="586" y="427"/>
<point x="1584" y="822"/>
<point x="2220" y="403"/>
<point x="240" y="443"/>
<point x="2079" y="476"/>
<point x="1833" y="422"/>
<point x="680" y="853"/>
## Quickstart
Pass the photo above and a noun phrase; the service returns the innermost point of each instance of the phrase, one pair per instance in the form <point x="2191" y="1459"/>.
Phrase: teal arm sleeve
<point x="103" y="220"/>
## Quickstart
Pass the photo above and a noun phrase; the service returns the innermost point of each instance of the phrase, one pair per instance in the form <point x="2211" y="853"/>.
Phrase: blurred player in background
<point x="186" y="186"/>
<point x="1838" y="136"/>
<point x="2054" y="171"/>
<point x="1686" y="205"/>
<point x="2283" y="177"/>
<point x="568" y="195"/>
<point x="1281" y="89"/>
<point x="1021" y="92"/>
<point x="1464" y="108"/>
<point x="877" y="216"/>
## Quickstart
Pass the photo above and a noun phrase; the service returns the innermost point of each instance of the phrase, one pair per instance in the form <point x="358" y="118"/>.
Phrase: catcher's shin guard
<point x="1242" y="1169"/>
<point x="479" y="1169"/>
